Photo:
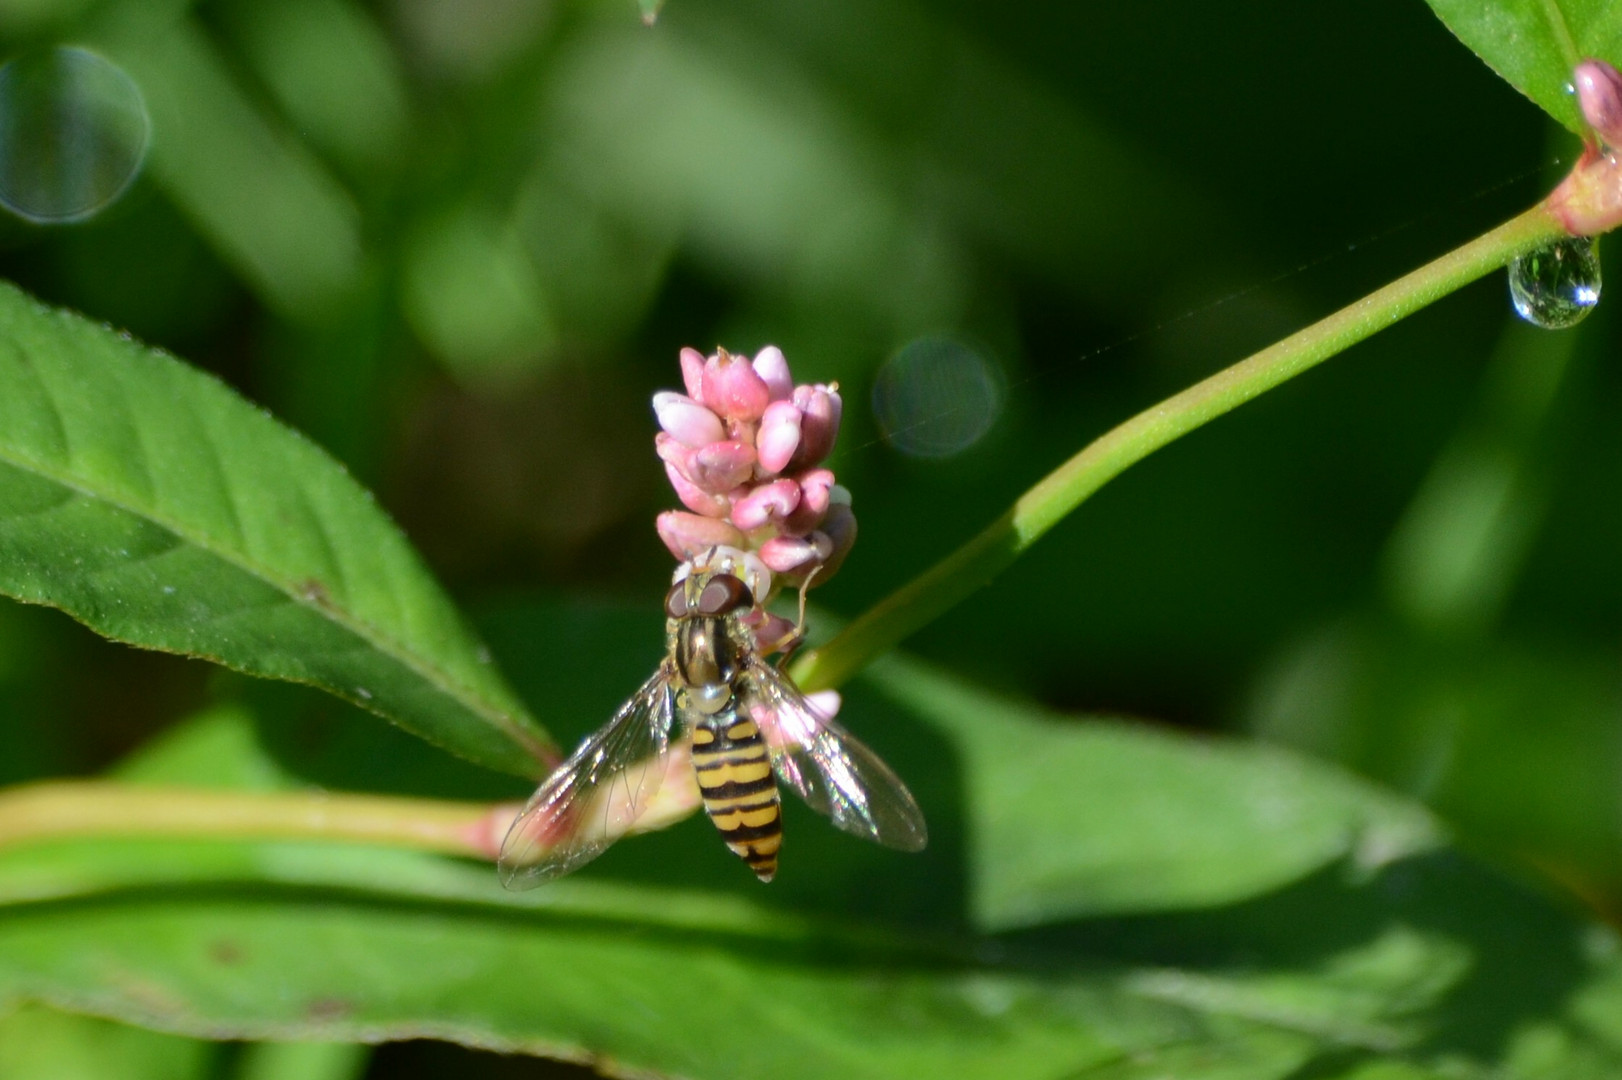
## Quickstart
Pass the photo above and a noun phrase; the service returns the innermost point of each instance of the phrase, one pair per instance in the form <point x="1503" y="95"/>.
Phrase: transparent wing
<point x="830" y="768"/>
<point x="592" y="799"/>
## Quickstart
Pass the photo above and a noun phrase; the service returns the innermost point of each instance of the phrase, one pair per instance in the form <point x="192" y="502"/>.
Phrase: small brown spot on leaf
<point x="315" y="592"/>
<point x="328" y="1009"/>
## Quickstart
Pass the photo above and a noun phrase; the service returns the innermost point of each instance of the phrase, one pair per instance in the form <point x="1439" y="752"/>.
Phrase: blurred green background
<point x="459" y="242"/>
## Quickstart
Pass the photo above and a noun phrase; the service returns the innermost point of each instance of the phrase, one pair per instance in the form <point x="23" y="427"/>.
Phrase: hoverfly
<point x="747" y="728"/>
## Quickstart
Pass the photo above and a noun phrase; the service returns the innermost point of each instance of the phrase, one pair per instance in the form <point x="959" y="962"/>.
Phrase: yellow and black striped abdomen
<point x="739" y="791"/>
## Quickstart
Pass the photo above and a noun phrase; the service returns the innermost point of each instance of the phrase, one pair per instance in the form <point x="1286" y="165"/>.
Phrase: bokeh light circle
<point x="74" y="130"/>
<point x="937" y="396"/>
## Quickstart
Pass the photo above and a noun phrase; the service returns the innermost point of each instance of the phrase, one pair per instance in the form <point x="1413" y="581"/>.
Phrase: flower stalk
<point x="939" y="588"/>
<point x="66" y="809"/>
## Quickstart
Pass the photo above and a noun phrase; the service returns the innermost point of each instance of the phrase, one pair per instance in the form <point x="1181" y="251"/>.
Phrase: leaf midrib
<point x="1556" y="18"/>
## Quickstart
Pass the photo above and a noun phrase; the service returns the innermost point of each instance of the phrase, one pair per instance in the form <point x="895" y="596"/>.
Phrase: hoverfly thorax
<point x="706" y="644"/>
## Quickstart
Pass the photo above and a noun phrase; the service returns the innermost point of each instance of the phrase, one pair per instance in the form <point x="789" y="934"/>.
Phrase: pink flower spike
<point x="692" y="373"/>
<point x="779" y="436"/>
<point x="686" y="420"/>
<point x="1599" y="92"/>
<point x="768" y="502"/>
<point x="722" y="466"/>
<point x="821" y="408"/>
<point x="690" y="535"/>
<point x="731" y="387"/>
<point x="772" y="367"/>
<point x="790" y="554"/>
<point x="815" y="487"/>
<point x="696" y="498"/>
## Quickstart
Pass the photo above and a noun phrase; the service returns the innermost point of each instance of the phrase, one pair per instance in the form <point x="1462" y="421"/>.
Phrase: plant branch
<point x="974" y="564"/>
<point x="78" y="808"/>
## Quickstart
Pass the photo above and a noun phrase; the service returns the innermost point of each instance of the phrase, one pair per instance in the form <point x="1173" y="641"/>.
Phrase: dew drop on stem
<point x="1556" y="286"/>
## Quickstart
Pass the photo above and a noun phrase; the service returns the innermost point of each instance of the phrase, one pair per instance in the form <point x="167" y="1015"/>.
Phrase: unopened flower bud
<point x="687" y="421"/>
<point x="820" y="408"/>
<point x="692" y="373"/>
<point x="826" y="703"/>
<point x="690" y="535"/>
<point x="792" y="554"/>
<point x="779" y="435"/>
<point x="771" y="631"/>
<point x="1599" y="92"/>
<point x="731" y="388"/>
<point x="768" y="502"/>
<point x="839" y="525"/>
<point x="696" y="498"/>
<point x="815" y="488"/>
<point x="772" y="367"/>
<point x="721" y="466"/>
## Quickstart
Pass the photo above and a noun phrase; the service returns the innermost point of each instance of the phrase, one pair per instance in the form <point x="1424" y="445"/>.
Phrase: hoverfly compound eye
<point x="723" y="595"/>
<point x="676" y="600"/>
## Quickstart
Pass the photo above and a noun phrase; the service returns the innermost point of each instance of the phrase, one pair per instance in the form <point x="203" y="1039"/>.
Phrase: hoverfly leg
<point x="789" y="643"/>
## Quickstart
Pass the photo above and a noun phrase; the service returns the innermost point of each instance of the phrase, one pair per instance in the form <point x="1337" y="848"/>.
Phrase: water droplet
<point x="1556" y="286"/>
<point x="73" y="133"/>
<point x="365" y="694"/>
<point x="936" y="397"/>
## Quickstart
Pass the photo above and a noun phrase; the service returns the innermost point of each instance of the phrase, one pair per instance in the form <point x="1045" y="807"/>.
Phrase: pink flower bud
<point x="692" y="373"/>
<point x="731" y="387"/>
<point x="1599" y="92"/>
<point x="696" y="498"/>
<point x="825" y="703"/>
<point x="768" y="502"/>
<point x="779" y="435"/>
<point x="772" y="367"/>
<point x="672" y="452"/>
<point x="821" y="409"/>
<point x="690" y="535"/>
<point x="722" y="466"/>
<point x="814" y="486"/>
<point x="771" y="631"/>
<point x="791" y="554"/>
<point x="686" y="420"/>
<point x="839" y="525"/>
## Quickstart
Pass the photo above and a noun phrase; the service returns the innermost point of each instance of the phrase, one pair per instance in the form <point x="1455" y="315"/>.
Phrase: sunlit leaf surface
<point x="1535" y="44"/>
<point x="153" y="504"/>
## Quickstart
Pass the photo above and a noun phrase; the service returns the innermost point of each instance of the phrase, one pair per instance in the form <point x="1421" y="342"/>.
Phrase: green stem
<point x="79" y="808"/>
<point x="974" y="564"/>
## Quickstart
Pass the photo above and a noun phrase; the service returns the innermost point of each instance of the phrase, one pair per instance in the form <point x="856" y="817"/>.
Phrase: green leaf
<point x="154" y="505"/>
<point x="1083" y="818"/>
<point x="38" y="1043"/>
<point x="1410" y="966"/>
<point x="1535" y="44"/>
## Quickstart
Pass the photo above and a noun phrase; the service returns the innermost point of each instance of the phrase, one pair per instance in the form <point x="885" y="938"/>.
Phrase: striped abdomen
<point x="739" y="791"/>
